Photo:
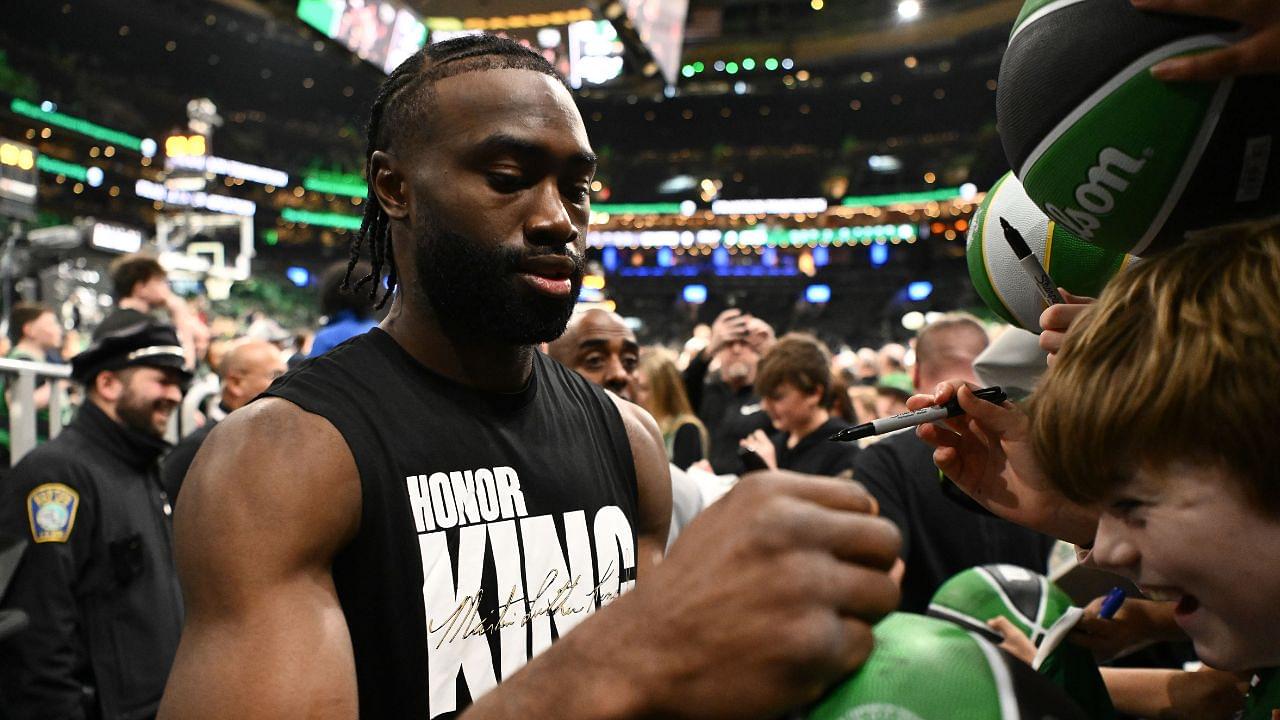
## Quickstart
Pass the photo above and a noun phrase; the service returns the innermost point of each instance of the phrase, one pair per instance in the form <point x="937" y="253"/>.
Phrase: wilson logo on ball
<point x="1095" y="197"/>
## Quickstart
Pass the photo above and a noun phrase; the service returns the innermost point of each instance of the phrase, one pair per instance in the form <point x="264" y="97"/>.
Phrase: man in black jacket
<point x="98" y="580"/>
<point x="727" y="402"/>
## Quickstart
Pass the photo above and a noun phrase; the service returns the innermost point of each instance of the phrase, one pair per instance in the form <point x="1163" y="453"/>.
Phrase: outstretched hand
<point x="1137" y="624"/>
<point x="1056" y="320"/>
<point x="1257" y="54"/>
<point x="987" y="453"/>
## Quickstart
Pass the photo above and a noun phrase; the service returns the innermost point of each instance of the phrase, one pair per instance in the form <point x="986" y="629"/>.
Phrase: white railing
<point x="21" y="377"/>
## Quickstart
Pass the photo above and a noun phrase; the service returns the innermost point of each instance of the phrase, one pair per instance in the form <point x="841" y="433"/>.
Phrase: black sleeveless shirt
<point x="491" y="524"/>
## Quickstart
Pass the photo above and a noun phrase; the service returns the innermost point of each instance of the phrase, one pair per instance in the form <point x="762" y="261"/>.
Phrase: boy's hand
<point x="1015" y="643"/>
<point x="760" y="444"/>
<point x="987" y="453"/>
<point x="1057" y="319"/>
<point x="1137" y="624"/>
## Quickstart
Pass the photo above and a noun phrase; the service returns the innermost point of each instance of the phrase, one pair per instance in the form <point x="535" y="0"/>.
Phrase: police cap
<point x="146" y="343"/>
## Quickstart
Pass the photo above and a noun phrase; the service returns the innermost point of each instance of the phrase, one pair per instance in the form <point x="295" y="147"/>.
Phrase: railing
<point x="21" y="389"/>
<point x="21" y="378"/>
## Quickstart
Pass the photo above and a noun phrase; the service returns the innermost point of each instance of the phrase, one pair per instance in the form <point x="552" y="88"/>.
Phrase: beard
<point x="139" y="414"/>
<point x="475" y="294"/>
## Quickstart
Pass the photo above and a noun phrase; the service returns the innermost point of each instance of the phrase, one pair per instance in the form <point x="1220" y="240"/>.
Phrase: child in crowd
<point x="794" y="382"/>
<point x="1149" y="444"/>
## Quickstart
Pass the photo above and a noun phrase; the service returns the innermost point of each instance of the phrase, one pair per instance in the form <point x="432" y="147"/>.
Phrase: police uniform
<point x="98" y="580"/>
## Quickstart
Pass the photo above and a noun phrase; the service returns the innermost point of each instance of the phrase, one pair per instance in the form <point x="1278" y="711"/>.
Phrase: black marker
<point x="993" y="395"/>
<point x="1029" y="262"/>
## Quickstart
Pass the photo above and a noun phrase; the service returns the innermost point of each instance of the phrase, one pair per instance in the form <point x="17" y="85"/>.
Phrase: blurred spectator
<point x="98" y="581"/>
<point x="247" y="368"/>
<point x="891" y="359"/>
<point x="892" y="391"/>
<point x="726" y="402"/>
<point x="36" y="336"/>
<point x="863" y="401"/>
<point x="794" y="379"/>
<point x="940" y="536"/>
<point x="141" y="288"/>
<point x="347" y="312"/>
<point x="868" y="367"/>
<point x="660" y="390"/>
<point x="302" y="343"/>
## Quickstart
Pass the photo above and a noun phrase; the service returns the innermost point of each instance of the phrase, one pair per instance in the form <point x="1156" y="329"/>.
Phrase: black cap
<point x="146" y="343"/>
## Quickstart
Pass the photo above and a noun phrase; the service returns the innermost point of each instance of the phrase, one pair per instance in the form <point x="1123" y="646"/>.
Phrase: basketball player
<point x="417" y="515"/>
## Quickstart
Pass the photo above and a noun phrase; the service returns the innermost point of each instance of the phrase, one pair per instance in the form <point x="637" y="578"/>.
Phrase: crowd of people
<point x="488" y="503"/>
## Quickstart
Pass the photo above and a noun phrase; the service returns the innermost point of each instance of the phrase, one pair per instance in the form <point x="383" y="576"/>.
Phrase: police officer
<point x="98" y="580"/>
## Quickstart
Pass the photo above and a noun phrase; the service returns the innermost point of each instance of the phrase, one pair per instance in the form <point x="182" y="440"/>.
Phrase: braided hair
<point x="402" y="104"/>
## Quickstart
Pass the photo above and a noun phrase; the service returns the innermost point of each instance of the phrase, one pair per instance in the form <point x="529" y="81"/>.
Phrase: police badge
<point x="51" y="507"/>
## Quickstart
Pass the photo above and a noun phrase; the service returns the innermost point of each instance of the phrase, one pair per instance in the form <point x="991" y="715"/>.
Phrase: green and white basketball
<point x="926" y="669"/>
<point x="998" y="278"/>
<point x="976" y="595"/>
<point x="1041" y="610"/>
<point x="1121" y="159"/>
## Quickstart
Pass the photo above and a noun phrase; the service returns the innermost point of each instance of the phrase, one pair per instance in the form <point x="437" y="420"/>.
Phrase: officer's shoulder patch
<point x="52" y="507"/>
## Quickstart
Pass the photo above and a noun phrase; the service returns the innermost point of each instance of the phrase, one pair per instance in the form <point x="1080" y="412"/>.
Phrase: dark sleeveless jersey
<point x="491" y="524"/>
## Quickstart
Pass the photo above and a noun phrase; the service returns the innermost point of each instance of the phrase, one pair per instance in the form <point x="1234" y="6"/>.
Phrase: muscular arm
<point x="269" y="500"/>
<point x="653" y="481"/>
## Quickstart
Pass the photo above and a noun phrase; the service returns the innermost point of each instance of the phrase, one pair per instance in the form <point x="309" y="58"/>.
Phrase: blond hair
<point x="667" y="398"/>
<point x="1175" y="363"/>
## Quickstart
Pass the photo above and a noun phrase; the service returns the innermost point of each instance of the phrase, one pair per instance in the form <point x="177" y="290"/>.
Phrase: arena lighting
<point x="185" y="146"/>
<point x="694" y="294"/>
<point x="821" y="256"/>
<point x="666" y="258"/>
<point x="299" y="276"/>
<point x="720" y="257"/>
<point x="90" y="175"/>
<point x="913" y="320"/>
<point x="344" y="184"/>
<point x="230" y="168"/>
<point x="609" y="259"/>
<point x="919" y="290"/>
<point x="770" y="206"/>
<point x="884" y="163"/>
<point x="636" y="208"/>
<point x="968" y="191"/>
<point x="688" y="208"/>
<point x="115" y="238"/>
<point x="909" y="9"/>
<point x="879" y="255"/>
<point x="16" y="155"/>
<point x="939" y="195"/>
<point x="771" y="64"/>
<point x="215" y="203"/>
<point x="146" y="146"/>
<point x="323" y="219"/>
<point x="817" y="294"/>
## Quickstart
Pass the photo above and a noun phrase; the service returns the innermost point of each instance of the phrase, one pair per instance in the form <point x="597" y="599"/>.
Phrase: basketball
<point x="1002" y="283"/>
<point x="1036" y="607"/>
<point x="927" y="669"/>
<point x="1117" y="157"/>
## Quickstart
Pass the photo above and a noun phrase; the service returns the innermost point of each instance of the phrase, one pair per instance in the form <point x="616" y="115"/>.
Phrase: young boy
<point x="1150" y="444"/>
